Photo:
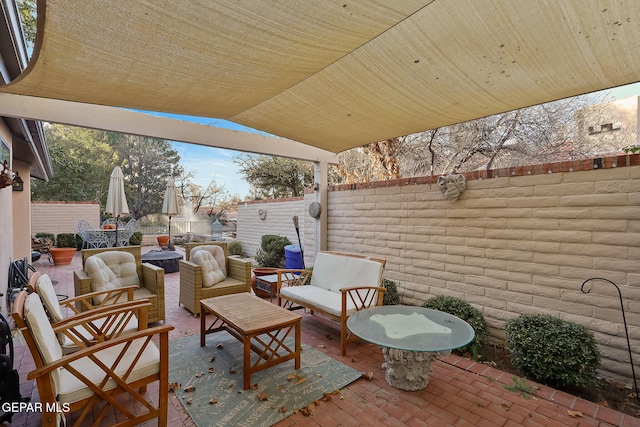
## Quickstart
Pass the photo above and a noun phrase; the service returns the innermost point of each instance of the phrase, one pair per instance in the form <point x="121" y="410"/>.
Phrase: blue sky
<point x="207" y="163"/>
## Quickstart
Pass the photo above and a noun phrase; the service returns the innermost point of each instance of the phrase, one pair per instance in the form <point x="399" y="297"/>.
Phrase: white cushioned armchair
<point x="209" y="272"/>
<point x="113" y="268"/>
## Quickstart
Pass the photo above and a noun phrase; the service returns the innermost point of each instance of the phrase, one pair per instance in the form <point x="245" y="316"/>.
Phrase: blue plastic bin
<point x="293" y="257"/>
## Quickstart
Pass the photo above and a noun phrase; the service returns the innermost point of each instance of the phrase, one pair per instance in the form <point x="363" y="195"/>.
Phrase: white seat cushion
<point x="329" y="301"/>
<point x="216" y="251"/>
<point x="111" y="270"/>
<point x="211" y="272"/>
<point x="72" y="389"/>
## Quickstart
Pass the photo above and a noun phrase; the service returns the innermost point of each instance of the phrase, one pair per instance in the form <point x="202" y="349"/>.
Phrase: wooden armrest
<point x="103" y="323"/>
<point x="362" y="296"/>
<point x="293" y="277"/>
<point x="90" y="351"/>
<point x="85" y="300"/>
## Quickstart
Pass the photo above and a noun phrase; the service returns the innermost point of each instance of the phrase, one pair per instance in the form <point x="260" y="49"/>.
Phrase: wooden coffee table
<point x="260" y="326"/>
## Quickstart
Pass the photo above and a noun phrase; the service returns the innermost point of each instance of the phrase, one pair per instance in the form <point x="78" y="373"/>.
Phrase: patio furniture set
<point x="117" y="295"/>
<point x="111" y="233"/>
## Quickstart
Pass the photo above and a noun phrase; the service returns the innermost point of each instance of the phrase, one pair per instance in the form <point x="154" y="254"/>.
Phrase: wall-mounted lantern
<point x="18" y="183"/>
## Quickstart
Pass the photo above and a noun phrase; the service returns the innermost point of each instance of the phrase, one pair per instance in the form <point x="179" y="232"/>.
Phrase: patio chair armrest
<point x="292" y="277"/>
<point x="161" y="331"/>
<point x="103" y="323"/>
<point x="84" y="302"/>
<point x="152" y="278"/>
<point x="362" y="297"/>
<point x="240" y="269"/>
<point x="191" y="279"/>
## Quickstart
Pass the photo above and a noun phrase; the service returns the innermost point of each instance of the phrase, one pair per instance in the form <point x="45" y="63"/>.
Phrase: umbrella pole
<point x="115" y="244"/>
<point x="169" y="240"/>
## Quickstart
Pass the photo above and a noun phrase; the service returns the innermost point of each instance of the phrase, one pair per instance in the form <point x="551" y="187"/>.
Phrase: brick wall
<point x="60" y="217"/>
<point x="518" y="240"/>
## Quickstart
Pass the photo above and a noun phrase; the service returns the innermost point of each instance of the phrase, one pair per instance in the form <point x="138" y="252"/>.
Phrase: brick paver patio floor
<point x="460" y="393"/>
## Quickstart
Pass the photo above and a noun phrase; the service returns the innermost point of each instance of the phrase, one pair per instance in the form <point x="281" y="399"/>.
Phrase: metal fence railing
<point x="182" y="227"/>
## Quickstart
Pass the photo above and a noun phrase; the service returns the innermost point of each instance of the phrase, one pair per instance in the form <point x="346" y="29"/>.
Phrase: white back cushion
<point x="211" y="272"/>
<point x="111" y="270"/>
<point x="44" y="287"/>
<point x="41" y="329"/>
<point x="334" y="272"/>
<point x="216" y="251"/>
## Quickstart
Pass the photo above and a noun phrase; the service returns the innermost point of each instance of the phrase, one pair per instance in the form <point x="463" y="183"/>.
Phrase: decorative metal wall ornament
<point x="262" y="213"/>
<point x="6" y="175"/>
<point x="452" y="185"/>
<point x="624" y="320"/>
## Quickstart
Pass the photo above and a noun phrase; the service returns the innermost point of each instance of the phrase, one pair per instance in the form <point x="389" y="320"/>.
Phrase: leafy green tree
<point x="147" y="163"/>
<point x="28" y="13"/>
<point x="274" y="177"/>
<point x="82" y="160"/>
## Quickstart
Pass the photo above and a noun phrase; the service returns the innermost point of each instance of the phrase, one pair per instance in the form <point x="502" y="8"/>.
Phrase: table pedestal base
<point x="408" y="370"/>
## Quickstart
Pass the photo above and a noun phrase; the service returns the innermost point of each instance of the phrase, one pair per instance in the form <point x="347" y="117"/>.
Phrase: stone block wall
<point x="60" y="217"/>
<point x="259" y="217"/>
<point x="511" y="244"/>
<point x="520" y="240"/>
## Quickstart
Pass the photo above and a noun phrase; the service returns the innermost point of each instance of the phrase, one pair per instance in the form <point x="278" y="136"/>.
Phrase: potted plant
<point x="270" y="257"/>
<point x="64" y="250"/>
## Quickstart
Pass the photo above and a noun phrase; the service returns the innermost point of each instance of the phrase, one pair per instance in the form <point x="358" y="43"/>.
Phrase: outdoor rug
<point x="215" y="397"/>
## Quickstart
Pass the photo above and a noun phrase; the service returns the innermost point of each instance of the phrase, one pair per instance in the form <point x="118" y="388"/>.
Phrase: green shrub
<point x="553" y="351"/>
<point x="235" y="247"/>
<point x="66" y="240"/>
<point x="136" y="238"/>
<point x="271" y="252"/>
<point x="391" y="296"/>
<point x="79" y="242"/>
<point x="462" y="309"/>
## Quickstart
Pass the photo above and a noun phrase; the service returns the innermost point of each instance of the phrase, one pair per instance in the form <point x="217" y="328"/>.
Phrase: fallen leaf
<point x="505" y="406"/>
<point x="213" y="400"/>
<point x="321" y="345"/>
<point x="199" y="374"/>
<point x="319" y="375"/>
<point x="300" y="381"/>
<point x="574" y="413"/>
<point x="368" y="375"/>
<point x="336" y="391"/>
<point x="174" y="386"/>
<point x="212" y="359"/>
<point x="305" y="412"/>
<point x="232" y="370"/>
<point x="281" y="387"/>
<point x="254" y="386"/>
<point x="282" y="409"/>
<point x="189" y="401"/>
<point x="326" y="397"/>
<point x="189" y="388"/>
<point x="296" y="410"/>
<point x="212" y="370"/>
<point x="311" y="406"/>
<point x="220" y="345"/>
<point x="341" y="397"/>
<point x="603" y="403"/>
<point x="262" y="396"/>
<point x="292" y="377"/>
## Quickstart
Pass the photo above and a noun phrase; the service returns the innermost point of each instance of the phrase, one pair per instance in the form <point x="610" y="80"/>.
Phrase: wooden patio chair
<point x="90" y="380"/>
<point x="132" y="320"/>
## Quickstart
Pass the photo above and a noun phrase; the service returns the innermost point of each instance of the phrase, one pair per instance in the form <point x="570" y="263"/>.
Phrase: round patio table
<point x="411" y="338"/>
<point x="168" y="260"/>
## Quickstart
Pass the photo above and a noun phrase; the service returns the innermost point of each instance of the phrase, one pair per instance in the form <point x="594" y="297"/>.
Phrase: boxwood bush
<point x="271" y="251"/>
<point x="462" y="309"/>
<point x="66" y="240"/>
<point x="553" y="351"/>
<point x="391" y="296"/>
<point x="235" y="247"/>
<point x="136" y="238"/>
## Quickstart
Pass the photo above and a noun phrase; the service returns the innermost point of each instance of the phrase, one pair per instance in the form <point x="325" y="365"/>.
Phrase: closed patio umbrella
<point x="116" y="199"/>
<point x="170" y="202"/>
